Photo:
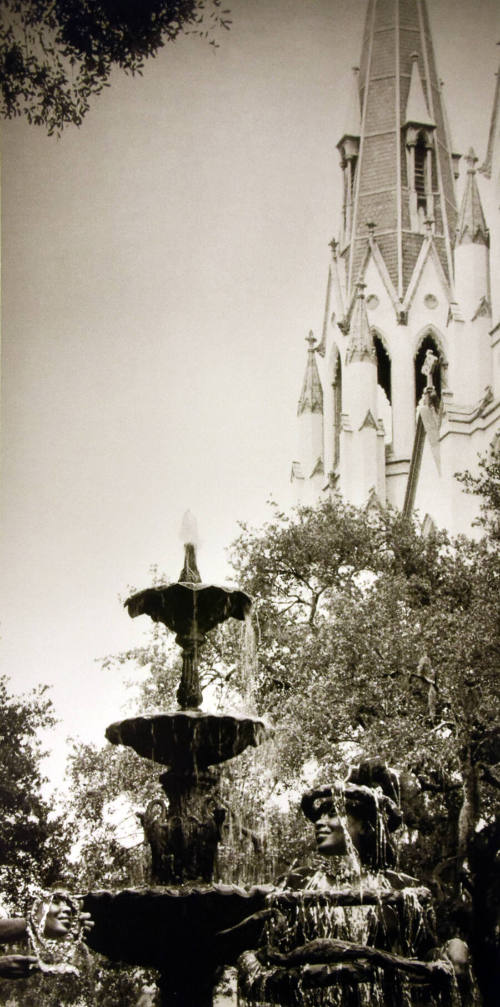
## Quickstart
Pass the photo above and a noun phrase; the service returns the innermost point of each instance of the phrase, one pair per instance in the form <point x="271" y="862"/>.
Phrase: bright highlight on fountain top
<point x="189" y="529"/>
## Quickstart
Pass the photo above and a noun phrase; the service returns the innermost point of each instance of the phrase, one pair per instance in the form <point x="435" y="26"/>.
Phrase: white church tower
<point x="403" y="389"/>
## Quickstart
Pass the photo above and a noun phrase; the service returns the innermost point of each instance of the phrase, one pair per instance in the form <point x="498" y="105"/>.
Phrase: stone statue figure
<point x="370" y="942"/>
<point x="357" y="815"/>
<point x="55" y="918"/>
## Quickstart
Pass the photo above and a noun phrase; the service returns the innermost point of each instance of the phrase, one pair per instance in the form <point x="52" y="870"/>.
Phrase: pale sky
<point x="162" y="266"/>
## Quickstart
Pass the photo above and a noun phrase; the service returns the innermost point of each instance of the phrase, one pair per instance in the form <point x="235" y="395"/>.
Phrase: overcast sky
<point x="161" y="268"/>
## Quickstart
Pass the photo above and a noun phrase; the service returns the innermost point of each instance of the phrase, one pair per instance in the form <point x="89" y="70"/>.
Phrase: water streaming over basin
<point x="248" y="662"/>
<point x="308" y="926"/>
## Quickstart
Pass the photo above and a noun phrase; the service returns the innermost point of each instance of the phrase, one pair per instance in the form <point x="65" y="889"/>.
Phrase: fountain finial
<point x="190" y="573"/>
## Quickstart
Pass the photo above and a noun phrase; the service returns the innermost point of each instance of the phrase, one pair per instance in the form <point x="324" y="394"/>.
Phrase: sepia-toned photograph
<point x="250" y="518"/>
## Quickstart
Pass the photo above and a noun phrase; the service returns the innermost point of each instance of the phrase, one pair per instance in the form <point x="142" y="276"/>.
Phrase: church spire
<point x="308" y="469"/>
<point x="403" y="172"/>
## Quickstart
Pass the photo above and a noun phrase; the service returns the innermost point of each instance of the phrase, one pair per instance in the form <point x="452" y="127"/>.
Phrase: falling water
<point x="248" y="662"/>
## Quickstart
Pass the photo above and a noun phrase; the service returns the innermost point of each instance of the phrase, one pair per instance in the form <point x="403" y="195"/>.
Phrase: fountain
<point x="186" y="926"/>
<point x="319" y="945"/>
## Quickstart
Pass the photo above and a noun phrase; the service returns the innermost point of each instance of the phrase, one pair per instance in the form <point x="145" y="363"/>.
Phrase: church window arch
<point x="336" y="379"/>
<point x="384" y="382"/>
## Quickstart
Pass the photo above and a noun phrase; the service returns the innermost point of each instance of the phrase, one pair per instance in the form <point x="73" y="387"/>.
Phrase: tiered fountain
<point x="187" y="927"/>
<point x="318" y="945"/>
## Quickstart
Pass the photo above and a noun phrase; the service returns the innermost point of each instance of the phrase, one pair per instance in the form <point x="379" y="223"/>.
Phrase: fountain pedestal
<point x="184" y="833"/>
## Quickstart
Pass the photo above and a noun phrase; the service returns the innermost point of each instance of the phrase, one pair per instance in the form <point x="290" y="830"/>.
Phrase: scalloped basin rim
<point x="187" y="740"/>
<point x="187" y="890"/>
<point x="186" y="587"/>
<point x="196" y="714"/>
<point x="191" y="585"/>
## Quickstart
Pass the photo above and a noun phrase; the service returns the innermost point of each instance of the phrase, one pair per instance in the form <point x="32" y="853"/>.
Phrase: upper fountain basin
<point x="188" y="607"/>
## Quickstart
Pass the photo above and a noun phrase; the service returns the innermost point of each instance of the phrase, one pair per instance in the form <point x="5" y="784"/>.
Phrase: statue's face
<point x="330" y="834"/>
<point x="59" y="914"/>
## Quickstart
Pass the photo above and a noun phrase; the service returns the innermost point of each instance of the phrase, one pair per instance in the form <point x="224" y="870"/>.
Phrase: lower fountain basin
<point x="188" y="740"/>
<point x="172" y="929"/>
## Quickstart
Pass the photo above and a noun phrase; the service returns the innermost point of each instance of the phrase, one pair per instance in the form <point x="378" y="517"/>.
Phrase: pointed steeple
<point x="361" y="345"/>
<point x="471" y="222"/>
<point x="348" y="147"/>
<point x="352" y="123"/>
<point x="311" y="396"/>
<point x="455" y="157"/>
<point x="417" y="113"/>
<point x="494" y="134"/>
<point x="403" y="172"/>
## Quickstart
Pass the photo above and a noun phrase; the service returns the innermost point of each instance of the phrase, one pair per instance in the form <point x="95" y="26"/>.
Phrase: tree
<point x="56" y="54"/>
<point x="34" y="843"/>
<point x="486" y="485"/>
<point x="392" y="650"/>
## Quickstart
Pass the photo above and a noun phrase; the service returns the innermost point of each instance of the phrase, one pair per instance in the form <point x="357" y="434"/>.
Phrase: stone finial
<point x="360" y="340"/>
<point x="333" y="244"/>
<point x="471" y="160"/>
<point x="311" y="396"/>
<point x="471" y="226"/>
<point x="428" y="367"/>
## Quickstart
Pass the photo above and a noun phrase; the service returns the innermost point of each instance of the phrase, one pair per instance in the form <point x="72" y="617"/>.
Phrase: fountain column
<point x="181" y="926"/>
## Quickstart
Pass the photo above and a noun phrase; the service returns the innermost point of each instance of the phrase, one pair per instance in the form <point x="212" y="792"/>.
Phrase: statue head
<point x="361" y="811"/>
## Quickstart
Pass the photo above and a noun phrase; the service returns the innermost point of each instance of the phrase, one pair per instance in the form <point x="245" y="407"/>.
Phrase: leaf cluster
<point x="34" y="842"/>
<point x="56" y="54"/>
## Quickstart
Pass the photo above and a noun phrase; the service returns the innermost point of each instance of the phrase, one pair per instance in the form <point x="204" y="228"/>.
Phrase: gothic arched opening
<point x="428" y="343"/>
<point x="337" y="405"/>
<point x="420" y="163"/>
<point x="384" y="386"/>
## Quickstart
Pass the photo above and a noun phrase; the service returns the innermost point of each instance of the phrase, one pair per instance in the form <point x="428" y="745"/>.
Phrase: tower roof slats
<point x="396" y="89"/>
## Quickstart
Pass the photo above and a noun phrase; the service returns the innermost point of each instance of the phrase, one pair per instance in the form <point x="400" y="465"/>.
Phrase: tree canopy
<point x="56" y="54"/>
<point x="34" y="842"/>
